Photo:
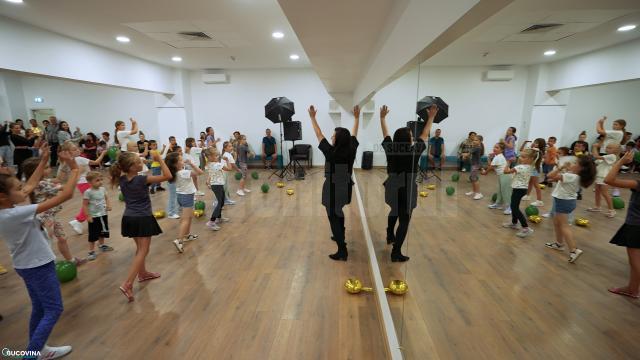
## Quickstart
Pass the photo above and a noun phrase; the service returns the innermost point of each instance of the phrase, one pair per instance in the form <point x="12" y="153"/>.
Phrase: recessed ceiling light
<point x="626" y="28"/>
<point x="176" y="58"/>
<point x="277" y="35"/>
<point x="15" y="1"/>
<point x="294" y="57"/>
<point x="549" y="52"/>
<point x="123" y="39"/>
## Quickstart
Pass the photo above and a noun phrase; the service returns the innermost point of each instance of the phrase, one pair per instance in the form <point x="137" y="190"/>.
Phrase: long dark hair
<point x="60" y="127"/>
<point x="342" y="143"/>
<point x="401" y="141"/>
<point x="172" y="163"/>
<point x="587" y="171"/>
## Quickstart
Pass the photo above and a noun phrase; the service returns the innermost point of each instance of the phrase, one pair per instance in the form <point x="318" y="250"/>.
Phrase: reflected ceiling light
<point x="626" y="28"/>
<point x="15" y="1"/>
<point x="294" y="57"/>
<point x="277" y="35"/>
<point x="549" y="52"/>
<point x="176" y="58"/>
<point x="123" y="39"/>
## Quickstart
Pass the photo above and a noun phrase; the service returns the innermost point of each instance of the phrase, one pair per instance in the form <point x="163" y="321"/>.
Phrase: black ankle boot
<point x="396" y="256"/>
<point x="341" y="254"/>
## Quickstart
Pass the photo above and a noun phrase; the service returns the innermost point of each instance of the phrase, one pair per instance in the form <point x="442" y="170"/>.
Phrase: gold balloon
<point x="397" y="287"/>
<point x="354" y="286"/>
<point x="280" y="184"/>
<point x="289" y="191"/>
<point x="198" y="213"/>
<point x="582" y="222"/>
<point x="542" y="186"/>
<point x="431" y="187"/>
<point x="159" y="214"/>
<point x="424" y="193"/>
<point x="536" y="219"/>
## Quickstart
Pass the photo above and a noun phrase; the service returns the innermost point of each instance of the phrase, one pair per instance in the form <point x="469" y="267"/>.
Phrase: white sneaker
<point x="51" y="352"/>
<point x="469" y="193"/>
<point x="524" y="232"/>
<point x="77" y="226"/>
<point x="615" y="192"/>
<point x="464" y="170"/>
<point x="240" y="192"/>
<point x="178" y="245"/>
<point x="537" y="203"/>
<point x="224" y="219"/>
<point x="507" y="211"/>
<point x="213" y="226"/>
<point x="574" y="255"/>
<point x="526" y="198"/>
<point x="174" y="216"/>
<point x="478" y="196"/>
<point x="510" y="226"/>
<point x="199" y="193"/>
<point x="546" y="215"/>
<point x="495" y="206"/>
<point x="229" y="202"/>
<point x="246" y="190"/>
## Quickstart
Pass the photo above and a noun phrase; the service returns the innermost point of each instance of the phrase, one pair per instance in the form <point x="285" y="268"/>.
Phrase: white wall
<point x="239" y="105"/>
<point x="30" y="49"/>
<point x="588" y="104"/>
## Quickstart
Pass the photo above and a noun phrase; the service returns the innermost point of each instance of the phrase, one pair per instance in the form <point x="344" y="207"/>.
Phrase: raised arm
<point x="67" y="189"/>
<point x="600" y="126"/>
<point x="384" y="110"/>
<point x="134" y="126"/>
<point x="611" y="178"/>
<point x="433" y="110"/>
<point x="314" y="123"/>
<point x="37" y="174"/>
<point x="356" y="120"/>
<point x="98" y="161"/>
<point x="194" y="169"/>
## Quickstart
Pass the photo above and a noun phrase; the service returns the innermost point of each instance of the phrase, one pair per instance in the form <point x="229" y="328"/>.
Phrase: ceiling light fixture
<point x="626" y="28"/>
<point x="15" y="1"/>
<point x="294" y="57"/>
<point x="123" y="39"/>
<point x="549" y="53"/>
<point x="277" y="35"/>
<point x="176" y="59"/>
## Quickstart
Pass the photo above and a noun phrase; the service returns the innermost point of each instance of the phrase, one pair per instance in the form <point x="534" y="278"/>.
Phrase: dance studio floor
<point x="260" y="288"/>
<point x="478" y="291"/>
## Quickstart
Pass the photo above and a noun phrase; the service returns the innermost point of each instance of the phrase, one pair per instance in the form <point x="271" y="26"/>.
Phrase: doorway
<point x="42" y="114"/>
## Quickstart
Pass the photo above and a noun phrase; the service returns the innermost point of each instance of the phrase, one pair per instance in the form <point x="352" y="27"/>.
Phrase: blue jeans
<point x="46" y="302"/>
<point x="172" y="205"/>
<point x="7" y="155"/>
<point x="156" y="171"/>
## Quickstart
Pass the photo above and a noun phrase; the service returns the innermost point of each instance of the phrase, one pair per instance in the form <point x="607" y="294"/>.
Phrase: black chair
<point x="301" y="152"/>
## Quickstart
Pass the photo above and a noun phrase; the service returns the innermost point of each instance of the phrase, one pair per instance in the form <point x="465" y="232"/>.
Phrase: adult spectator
<point x="269" y="149"/>
<point x="23" y="131"/>
<point x="464" y="152"/>
<point x="22" y="148"/>
<point x="64" y="133"/>
<point x="51" y="133"/>
<point x="436" y="151"/>
<point x="5" y="146"/>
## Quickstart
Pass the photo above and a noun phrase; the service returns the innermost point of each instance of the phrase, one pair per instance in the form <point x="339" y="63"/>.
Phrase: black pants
<point x="336" y="220"/>
<point x="402" y="214"/>
<point x="516" y="214"/>
<point x="53" y="148"/>
<point x="218" y="191"/>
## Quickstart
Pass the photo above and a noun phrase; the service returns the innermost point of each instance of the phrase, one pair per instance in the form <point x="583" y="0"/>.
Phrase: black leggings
<point x="404" y="216"/>
<point x="218" y="191"/>
<point x="336" y="220"/>
<point x="516" y="214"/>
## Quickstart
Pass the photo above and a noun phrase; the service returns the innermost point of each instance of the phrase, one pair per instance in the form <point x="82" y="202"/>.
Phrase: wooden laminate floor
<point x="479" y="292"/>
<point x="261" y="288"/>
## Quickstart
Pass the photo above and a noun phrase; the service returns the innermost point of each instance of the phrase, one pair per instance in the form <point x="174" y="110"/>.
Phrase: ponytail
<point x="587" y="171"/>
<point x="115" y="173"/>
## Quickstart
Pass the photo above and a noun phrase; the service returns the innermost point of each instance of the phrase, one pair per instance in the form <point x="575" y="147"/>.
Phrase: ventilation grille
<point x="539" y="28"/>
<point x="194" y="35"/>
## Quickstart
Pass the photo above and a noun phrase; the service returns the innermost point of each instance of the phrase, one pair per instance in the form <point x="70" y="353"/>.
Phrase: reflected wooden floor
<point x="261" y="288"/>
<point x="477" y="291"/>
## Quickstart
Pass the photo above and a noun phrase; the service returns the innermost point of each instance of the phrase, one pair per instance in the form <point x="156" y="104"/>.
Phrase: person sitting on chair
<point x="269" y="149"/>
<point x="436" y="151"/>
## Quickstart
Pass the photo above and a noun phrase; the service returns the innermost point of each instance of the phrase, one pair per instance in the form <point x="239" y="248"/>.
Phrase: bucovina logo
<point x="19" y="354"/>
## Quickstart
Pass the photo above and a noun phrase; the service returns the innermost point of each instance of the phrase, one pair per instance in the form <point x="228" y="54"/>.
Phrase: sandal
<point x="594" y="209"/>
<point x="619" y="291"/>
<point x="148" y="276"/>
<point x="126" y="291"/>
<point x="190" y="237"/>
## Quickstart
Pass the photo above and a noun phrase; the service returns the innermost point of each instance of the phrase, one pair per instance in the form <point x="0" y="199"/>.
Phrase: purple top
<point x="136" y="196"/>
<point x="510" y="153"/>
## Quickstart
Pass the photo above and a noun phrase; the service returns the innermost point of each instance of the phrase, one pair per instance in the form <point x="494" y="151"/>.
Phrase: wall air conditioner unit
<point x="499" y="75"/>
<point x="217" y="78"/>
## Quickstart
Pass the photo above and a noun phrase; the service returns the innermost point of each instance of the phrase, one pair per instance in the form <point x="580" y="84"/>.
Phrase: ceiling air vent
<point x="539" y="28"/>
<point x="194" y="35"/>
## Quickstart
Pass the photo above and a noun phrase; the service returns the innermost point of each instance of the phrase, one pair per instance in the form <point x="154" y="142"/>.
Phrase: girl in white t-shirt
<point x="231" y="163"/>
<point x="615" y="135"/>
<point x="193" y="154"/>
<point x="83" y="185"/>
<point x="216" y="167"/>
<point x="519" y="186"/>
<point x="186" y="191"/>
<point x="126" y="139"/>
<point x="604" y="164"/>
<point x="498" y="164"/>
<point x="570" y="177"/>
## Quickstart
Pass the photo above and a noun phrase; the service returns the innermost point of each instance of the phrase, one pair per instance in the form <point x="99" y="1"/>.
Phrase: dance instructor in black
<point x="400" y="188"/>
<point x="338" y="167"/>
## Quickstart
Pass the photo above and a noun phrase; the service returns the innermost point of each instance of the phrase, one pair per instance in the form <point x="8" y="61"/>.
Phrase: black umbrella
<point x="279" y="109"/>
<point x="423" y="105"/>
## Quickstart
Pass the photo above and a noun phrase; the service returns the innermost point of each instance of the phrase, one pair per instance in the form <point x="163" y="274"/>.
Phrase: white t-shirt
<point x="603" y="166"/>
<point x="193" y="155"/>
<point x="566" y="159"/>
<point x="27" y="243"/>
<point x="612" y="136"/>
<point x="124" y="137"/>
<point x="499" y="163"/>
<point x="229" y="158"/>
<point x="521" y="177"/>
<point x="83" y="168"/>
<point x="215" y="172"/>
<point x="567" y="188"/>
<point x="184" y="183"/>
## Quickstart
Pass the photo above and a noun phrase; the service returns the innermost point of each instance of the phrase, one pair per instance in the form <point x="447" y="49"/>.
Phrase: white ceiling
<point x="588" y="25"/>
<point x="240" y="29"/>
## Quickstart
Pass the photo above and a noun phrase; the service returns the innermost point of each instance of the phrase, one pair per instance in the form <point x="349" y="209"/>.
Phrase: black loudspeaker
<point x="416" y="128"/>
<point x="292" y="130"/>
<point x="367" y="160"/>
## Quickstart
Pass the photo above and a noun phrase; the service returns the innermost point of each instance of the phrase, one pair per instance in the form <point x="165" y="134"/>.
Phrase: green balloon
<point x="455" y="177"/>
<point x="531" y="210"/>
<point x="121" y="197"/>
<point x="618" y="203"/>
<point x="238" y="176"/>
<point x="255" y="175"/>
<point x="112" y="153"/>
<point x="494" y="197"/>
<point x="450" y="190"/>
<point x="636" y="157"/>
<point x="265" y="188"/>
<point x="66" y="271"/>
<point x="200" y="205"/>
